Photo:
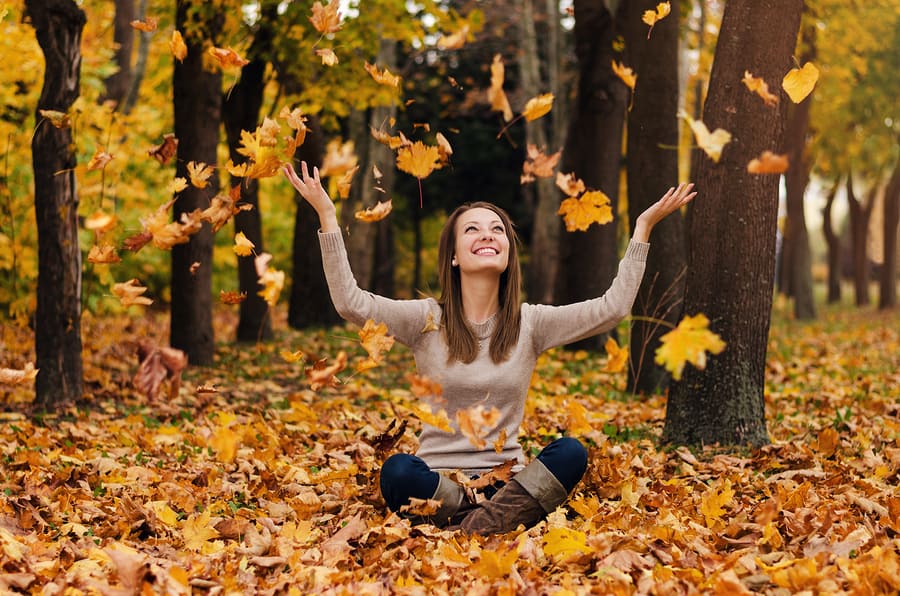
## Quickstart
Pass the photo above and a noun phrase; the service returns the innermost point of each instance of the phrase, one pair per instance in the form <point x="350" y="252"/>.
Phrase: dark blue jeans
<point x="404" y="476"/>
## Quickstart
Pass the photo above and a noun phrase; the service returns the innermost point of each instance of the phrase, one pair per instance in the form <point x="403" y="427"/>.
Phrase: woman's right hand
<point x="310" y="188"/>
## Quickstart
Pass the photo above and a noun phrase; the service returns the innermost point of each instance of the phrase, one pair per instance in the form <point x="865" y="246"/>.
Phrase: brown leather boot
<point x="526" y="499"/>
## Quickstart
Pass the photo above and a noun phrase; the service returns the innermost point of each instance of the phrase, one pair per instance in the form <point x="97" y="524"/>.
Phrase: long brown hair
<point x="461" y="341"/>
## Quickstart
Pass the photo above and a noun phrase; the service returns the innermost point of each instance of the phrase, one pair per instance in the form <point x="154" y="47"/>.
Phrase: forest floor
<point x="245" y="480"/>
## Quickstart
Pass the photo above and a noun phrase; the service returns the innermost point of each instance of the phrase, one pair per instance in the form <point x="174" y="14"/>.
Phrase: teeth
<point x="486" y="251"/>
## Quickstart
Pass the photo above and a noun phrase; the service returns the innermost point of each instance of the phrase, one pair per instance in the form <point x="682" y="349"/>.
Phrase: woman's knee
<point x="404" y="476"/>
<point x="567" y="459"/>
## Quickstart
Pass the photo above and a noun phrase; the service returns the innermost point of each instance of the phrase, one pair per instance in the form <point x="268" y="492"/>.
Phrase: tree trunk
<point x="118" y="84"/>
<point x="796" y="256"/>
<point x="198" y="111"/>
<point x="544" y="253"/>
<point x="888" y="279"/>
<point x="860" y="213"/>
<point x="833" y="247"/>
<point x="310" y="304"/>
<point x="731" y="231"/>
<point x="593" y="152"/>
<point x="241" y="112"/>
<point x="652" y="169"/>
<point x="140" y="65"/>
<point x="58" y="26"/>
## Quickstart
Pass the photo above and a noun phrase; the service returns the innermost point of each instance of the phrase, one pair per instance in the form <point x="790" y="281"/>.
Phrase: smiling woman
<point x="480" y="344"/>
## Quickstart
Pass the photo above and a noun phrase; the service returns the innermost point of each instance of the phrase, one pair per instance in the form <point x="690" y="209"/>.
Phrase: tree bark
<point x="140" y="64"/>
<point x="118" y="84"/>
<point x="652" y="169"/>
<point x="860" y="214"/>
<point x="731" y="231"/>
<point x="198" y="111"/>
<point x="887" y="297"/>
<point x="593" y="152"/>
<point x="58" y="26"/>
<point x="833" y="247"/>
<point x="310" y="303"/>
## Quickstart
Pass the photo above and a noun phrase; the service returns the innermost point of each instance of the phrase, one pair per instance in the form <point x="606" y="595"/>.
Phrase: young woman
<point x="481" y="344"/>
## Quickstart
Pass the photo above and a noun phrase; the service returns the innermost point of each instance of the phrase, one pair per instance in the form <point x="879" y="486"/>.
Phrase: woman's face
<point x="481" y="242"/>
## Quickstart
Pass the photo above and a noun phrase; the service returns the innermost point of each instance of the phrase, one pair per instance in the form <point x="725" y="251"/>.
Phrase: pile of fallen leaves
<point x="242" y="479"/>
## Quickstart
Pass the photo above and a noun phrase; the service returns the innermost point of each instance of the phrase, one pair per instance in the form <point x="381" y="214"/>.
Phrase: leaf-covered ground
<point x="264" y="486"/>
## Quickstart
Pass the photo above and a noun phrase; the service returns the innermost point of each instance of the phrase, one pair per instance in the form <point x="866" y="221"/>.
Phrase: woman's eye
<point x="469" y="228"/>
<point x="498" y="228"/>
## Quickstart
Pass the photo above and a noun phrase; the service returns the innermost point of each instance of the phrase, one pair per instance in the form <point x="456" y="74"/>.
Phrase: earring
<point x="454" y="262"/>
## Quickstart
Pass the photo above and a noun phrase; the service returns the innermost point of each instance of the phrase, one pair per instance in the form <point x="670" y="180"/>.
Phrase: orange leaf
<point x="199" y="173"/>
<point x="57" y="119"/>
<point x="712" y="143"/>
<point x="496" y="95"/>
<point x="454" y="41"/>
<point x="243" y="247"/>
<point x="177" y="46"/>
<point x="99" y="160"/>
<point x="537" y="164"/>
<point x="569" y="184"/>
<point x="176" y="185"/>
<point x="344" y="183"/>
<point x="760" y="87"/>
<point x="321" y="375"/>
<point x="418" y="159"/>
<point x="625" y="73"/>
<point x="799" y="82"/>
<point x="382" y="77"/>
<point x="376" y="213"/>
<point x="538" y="106"/>
<point x="618" y="357"/>
<point x="227" y="58"/>
<point x="768" y="163"/>
<point x="164" y="151"/>
<point x="339" y="159"/>
<point x="103" y="254"/>
<point x="326" y="19"/>
<point x="232" y="297"/>
<point x="476" y="423"/>
<point x="11" y="376"/>
<point x="129" y="292"/>
<point x="580" y="213"/>
<point x="329" y="58"/>
<point x="444" y="148"/>
<point x="376" y="341"/>
<point x="271" y="280"/>
<point x="688" y="342"/>
<point x="100" y="222"/>
<point x="148" y="25"/>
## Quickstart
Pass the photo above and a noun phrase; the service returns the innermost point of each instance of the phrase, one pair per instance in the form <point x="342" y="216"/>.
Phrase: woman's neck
<point x="480" y="297"/>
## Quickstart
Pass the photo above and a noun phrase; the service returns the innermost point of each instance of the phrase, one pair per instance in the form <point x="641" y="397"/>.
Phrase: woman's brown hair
<point x="461" y="341"/>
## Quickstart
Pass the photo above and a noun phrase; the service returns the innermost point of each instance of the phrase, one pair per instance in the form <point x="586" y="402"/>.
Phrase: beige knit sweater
<point x="504" y="385"/>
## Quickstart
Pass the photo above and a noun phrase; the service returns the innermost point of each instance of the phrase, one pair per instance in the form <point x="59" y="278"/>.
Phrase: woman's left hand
<point x="673" y="200"/>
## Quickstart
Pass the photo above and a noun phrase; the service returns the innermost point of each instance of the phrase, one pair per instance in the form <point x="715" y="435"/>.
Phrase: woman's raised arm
<point x="310" y="188"/>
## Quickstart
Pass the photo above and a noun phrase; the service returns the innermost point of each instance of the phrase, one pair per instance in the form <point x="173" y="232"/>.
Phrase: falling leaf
<point x="422" y="386"/>
<point x="176" y="185"/>
<point x="388" y="140"/>
<point x="129" y="293"/>
<point x="243" y="247"/>
<point x="227" y="58"/>
<point x="232" y="297"/>
<point x="569" y="184"/>
<point x="760" y="87"/>
<point x="103" y="254"/>
<point x="591" y="207"/>
<point x="454" y="41"/>
<point x="199" y="173"/>
<point x="148" y="25"/>
<point x="329" y="58"/>
<point x="158" y="364"/>
<point x="177" y="46"/>
<point x="326" y="19"/>
<point x="500" y="442"/>
<point x="292" y="357"/>
<point x="322" y="375"/>
<point x="100" y="222"/>
<point x="496" y="95"/>
<point x="768" y="163"/>
<point x="376" y="213"/>
<point x="165" y="150"/>
<point x="383" y="77"/>
<point x="711" y="143"/>
<point x="577" y="418"/>
<point x="538" y="106"/>
<point x="345" y="182"/>
<point x="339" y="159"/>
<point x="418" y="159"/>
<point x="444" y="148"/>
<point x="99" y="160"/>
<point x="271" y="280"/>
<point x="476" y="423"/>
<point x="651" y="17"/>
<point x="57" y="119"/>
<point x="537" y="164"/>
<point x="376" y="342"/>
<point x="12" y="376"/>
<point x="625" y="73"/>
<point x="688" y="342"/>
<point x="438" y="420"/>
<point x="617" y="357"/>
<point x="799" y="82"/>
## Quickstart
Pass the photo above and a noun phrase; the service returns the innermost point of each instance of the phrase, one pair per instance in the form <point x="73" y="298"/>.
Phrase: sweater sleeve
<point x="557" y="325"/>
<point x="405" y="319"/>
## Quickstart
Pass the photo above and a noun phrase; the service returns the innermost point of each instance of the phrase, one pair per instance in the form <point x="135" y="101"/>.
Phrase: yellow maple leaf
<point x="222" y="207"/>
<point x="617" y="357"/>
<point x="592" y="207"/>
<point x="243" y="247"/>
<point x="569" y="184"/>
<point x="476" y="422"/>
<point x="329" y="58"/>
<point x="538" y="106"/>
<point x="376" y="213"/>
<point x="382" y="77"/>
<point x="177" y="46"/>
<point x="99" y="160"/>
<point x="326" y="19"/>
<point x="562" y="542"/>
<point x="197" y="530"/>
<point x="225" y="443"/>
<point x="100" y="222"/>
<point x="376" y="342"/>
<point x="760" y="87"/>
<point x="496" y="95"/>
<point x="799" y="82"/>
<point x="711" y="143"/>
<point x="176" y="185"/>
<point x="768" y="163"/>
<point x="103" y="254"/>
<point x="292" y="357"/>
<point x="714" y="500"/>
<point x="271" y="280"/>
<point x="345" y="182"/>
<point x="129" y="293"/>
<point x="339" y="158"/>
<point x="418" y="159"/>
<point x="625" y="73"/>
<point x="227" y="58"/>
<point x="199" y="173"/>
<point x="438" y="420"/>
<point x="11" y="376"/>
<point x="688" y="342"/>
<point x="577" y="418"/>
<point x="496" y="564"/>
<point x="651" y="17"/>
